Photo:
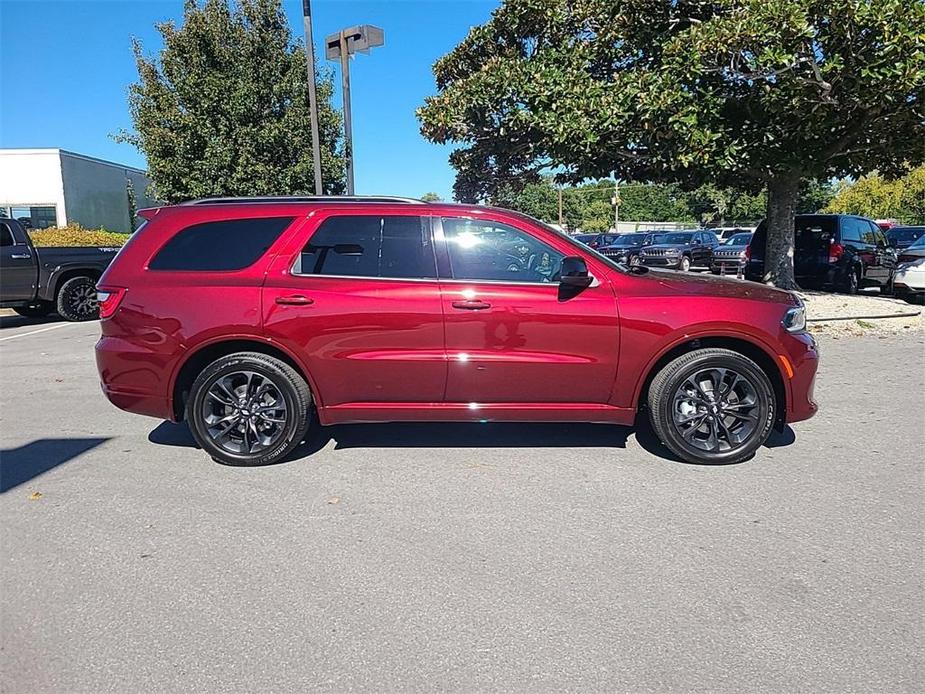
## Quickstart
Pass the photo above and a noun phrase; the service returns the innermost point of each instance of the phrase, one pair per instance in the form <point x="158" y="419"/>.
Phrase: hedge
<point x="76" y="235"/>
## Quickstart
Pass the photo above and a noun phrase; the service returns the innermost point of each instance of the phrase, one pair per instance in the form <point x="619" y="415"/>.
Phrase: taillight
<point x="836" y="250"/>
<point x="109" y="299"/>
<point x="748" y="252"/>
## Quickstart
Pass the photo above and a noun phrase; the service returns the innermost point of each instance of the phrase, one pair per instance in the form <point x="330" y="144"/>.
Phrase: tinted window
<point x="631" y="240"/>
<point x="739" y="240"/>
<point x="370" y="246"/>
<point x="903" y="236"/>
<point x="811" y="233"/>
<point x="481" y="250"/>
<point x="710" y="238"/>
<point x="219" y="246"/>
<point x="852" y="230"/>
<point x="6" y="236"/>
<point x="680" y="239"/>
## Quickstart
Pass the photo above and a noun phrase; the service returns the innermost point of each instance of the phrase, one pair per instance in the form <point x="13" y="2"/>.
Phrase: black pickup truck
<point x="36" y="281"/>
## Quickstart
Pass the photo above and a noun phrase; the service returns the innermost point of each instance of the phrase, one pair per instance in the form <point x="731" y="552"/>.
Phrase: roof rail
<point x="304" y="198"/>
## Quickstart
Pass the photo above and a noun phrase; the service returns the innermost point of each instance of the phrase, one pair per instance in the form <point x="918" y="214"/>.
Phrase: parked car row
<point x="681" y="250"/>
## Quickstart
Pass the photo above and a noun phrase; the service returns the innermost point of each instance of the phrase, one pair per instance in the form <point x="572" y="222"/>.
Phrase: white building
<point x="54" y="187"/>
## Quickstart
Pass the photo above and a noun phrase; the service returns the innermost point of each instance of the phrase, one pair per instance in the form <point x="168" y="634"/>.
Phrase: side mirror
<point x="574" y="272"/>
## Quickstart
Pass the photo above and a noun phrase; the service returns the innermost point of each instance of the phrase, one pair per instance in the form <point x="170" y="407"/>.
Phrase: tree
<point x="750" y="94"/>
<point x="223" y="109"/>
<point x="431" y="197"/>
<point x="872" y="196"/>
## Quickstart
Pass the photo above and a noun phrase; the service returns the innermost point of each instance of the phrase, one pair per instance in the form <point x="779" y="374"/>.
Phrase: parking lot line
<point x="36" y="332"/>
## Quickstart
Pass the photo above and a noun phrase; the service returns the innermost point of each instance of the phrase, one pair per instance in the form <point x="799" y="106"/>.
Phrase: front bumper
<point x="802" y="356"/>
<point x="660" y="260"/>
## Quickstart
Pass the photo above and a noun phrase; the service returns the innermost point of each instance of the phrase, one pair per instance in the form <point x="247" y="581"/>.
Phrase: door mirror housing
<point x="574" y="272"/>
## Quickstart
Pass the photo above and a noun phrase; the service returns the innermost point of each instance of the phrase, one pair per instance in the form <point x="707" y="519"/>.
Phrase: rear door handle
<point x="294" y="300"/>
<point x="472" y="305"/>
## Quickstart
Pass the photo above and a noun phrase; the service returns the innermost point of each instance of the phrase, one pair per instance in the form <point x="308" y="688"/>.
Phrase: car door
<point x="512" y="334"/>
<point x="883" y="257"/>
<point x="18" y="269"/>
<point x="356" y="296"/>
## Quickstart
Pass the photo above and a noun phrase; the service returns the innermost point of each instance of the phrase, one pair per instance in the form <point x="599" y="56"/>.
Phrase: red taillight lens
<point x="109" y="299"/>
<point x="836" y="250"/>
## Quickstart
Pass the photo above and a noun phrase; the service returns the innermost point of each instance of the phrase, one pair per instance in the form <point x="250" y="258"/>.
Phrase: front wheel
<point x="685" y="264"/>
<point x="712" y="406"/>
<point x="249" y="409"/>
<point x="77" y="300"/>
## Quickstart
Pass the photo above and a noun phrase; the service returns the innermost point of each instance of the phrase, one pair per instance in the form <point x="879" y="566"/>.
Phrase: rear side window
<point x="397" y="247"/>
<point x="219" y="246"/>
<point x="6" y="236"/>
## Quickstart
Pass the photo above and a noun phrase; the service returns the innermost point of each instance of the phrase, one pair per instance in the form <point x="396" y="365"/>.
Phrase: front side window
<point x="396" y="247"/>
<point x="6" y="236"/>
<point x="219" y="246"/>
<point x="483" y="250"/>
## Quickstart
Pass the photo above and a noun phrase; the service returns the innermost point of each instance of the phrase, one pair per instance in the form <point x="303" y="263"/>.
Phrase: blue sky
<point x="65" y="68"/>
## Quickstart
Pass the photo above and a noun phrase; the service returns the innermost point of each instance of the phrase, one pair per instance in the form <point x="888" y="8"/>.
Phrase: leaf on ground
<point x="35" y="496"/>
<point x="334" y="500"/>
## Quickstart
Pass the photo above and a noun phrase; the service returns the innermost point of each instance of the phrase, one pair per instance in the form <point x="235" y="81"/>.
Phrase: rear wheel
<point x="249" y="409"/>
<point x="712" y="406"/>
<point x="77" y="300"/>
<point x="39" y="309"/>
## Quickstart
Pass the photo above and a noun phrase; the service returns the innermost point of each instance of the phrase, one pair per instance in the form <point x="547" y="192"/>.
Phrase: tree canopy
<point x="875" y="197"/>
<point x="752" y="94"/>
<point x="223" y="109"/>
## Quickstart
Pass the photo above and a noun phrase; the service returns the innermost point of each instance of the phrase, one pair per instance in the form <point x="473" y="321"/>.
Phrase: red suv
<point x="248" y="317"/>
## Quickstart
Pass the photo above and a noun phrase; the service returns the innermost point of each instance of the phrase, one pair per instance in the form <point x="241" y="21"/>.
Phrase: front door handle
<point x="472" y="305"/>
<point x="294" y="300"/>
<point x="20" y="256"/>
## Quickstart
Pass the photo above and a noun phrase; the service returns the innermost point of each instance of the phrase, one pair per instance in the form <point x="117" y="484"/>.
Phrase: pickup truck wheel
<point x="712" y="406"/>
<point x="77" y="300"/>
<point x="39" y="309"/>
<point x="249" y="409"/>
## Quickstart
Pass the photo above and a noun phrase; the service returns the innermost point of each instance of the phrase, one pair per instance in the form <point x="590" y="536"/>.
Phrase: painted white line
<point x="36" y="332"/>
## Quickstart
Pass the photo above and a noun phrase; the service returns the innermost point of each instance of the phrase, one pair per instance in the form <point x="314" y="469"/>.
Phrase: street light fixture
<point x="340" y="46"/>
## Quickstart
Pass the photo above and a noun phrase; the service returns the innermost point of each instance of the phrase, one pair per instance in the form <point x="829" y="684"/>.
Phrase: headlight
<point x="795" y="319"/>
<point x="671" y="251"/>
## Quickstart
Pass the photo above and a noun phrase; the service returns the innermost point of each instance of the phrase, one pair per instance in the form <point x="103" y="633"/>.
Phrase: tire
<point x="852" y="282"/>
<point x="39" y="309"/>
<point x="77" y="300"/>
<point x="281" y="414"/>
<point x="685" y="264"/>
<point x="690" y="422"/>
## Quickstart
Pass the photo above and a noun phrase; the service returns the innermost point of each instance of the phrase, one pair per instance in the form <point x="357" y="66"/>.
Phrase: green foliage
<point x="223" y="109"/>
<point x="745" y="94"/>
<point x="431" y="197"/>
<point x="873" y="196"/>
<point x="76" y="235"/>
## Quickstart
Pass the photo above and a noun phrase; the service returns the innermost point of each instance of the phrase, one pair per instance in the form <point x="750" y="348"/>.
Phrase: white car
<point x="909" y="280"/>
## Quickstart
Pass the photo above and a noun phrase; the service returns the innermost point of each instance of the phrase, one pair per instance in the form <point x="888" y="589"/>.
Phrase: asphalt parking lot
<point x="459" y="557"/>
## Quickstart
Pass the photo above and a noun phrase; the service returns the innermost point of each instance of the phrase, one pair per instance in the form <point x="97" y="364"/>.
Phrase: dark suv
<point x="681" y="250"/>
<point x="256" y="319"/>
<point x="839" y="252"/>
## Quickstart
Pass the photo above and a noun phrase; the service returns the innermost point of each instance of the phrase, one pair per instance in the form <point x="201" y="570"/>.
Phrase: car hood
<point x="713" y="285"/>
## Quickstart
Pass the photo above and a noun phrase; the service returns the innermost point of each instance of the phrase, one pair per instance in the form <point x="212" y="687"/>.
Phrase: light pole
<point x="340" y="46"/>
<point x="312" y="96"/>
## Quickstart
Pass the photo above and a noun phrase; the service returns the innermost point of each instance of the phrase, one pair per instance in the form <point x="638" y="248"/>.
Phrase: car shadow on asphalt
<point x="468" y="435"/>
<point x="21" y="321"/>
<point x="21" y="464"/>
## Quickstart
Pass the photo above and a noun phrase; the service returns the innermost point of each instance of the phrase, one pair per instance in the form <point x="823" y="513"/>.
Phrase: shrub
<point x="76" y="235"/>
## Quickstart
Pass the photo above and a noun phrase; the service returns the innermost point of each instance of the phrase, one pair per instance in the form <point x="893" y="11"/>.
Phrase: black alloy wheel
<point x="712" y="406"/>
<point x="77" y="300"/>
<point x="249" y="409"/>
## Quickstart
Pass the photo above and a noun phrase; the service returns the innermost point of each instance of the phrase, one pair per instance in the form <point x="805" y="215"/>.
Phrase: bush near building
<point x="76" y="235"/>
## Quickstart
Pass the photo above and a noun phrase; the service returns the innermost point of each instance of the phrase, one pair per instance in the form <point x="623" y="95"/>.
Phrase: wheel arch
<point x="59" y="277"/>
<point x="756" y="352"/>
<point x="194" y="362"/>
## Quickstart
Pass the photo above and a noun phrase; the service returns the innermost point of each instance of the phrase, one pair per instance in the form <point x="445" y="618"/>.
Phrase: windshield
<point x="675" y="239"/>
<point x="919" y="242"/>
<point x="631" y="240"/>
<point x="739" y="240"/>
<point x="903" y="236"/>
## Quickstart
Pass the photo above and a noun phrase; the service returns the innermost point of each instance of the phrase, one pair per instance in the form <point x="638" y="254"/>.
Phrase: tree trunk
<point x="778" y="257"/>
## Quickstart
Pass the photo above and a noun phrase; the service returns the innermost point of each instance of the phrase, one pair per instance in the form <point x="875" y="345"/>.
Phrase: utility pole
<point x="348" y="121"/>
<point x="312" y="96"/>
<point x="616" y="204"/>
<point x="561" y="226"/>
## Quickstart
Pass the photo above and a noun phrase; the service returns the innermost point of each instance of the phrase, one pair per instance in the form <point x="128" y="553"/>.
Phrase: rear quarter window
<point x="219" y="246"/>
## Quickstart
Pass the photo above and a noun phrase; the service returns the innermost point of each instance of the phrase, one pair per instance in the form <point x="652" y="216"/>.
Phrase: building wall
<point x="32" y="177"/>
<point x="96" y="195"/>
